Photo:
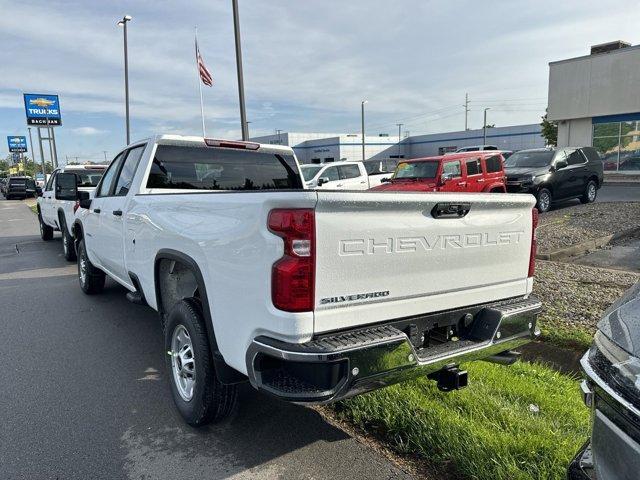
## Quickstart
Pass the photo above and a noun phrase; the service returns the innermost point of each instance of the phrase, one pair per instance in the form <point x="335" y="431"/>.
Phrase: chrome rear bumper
<point x="344" y="364"/>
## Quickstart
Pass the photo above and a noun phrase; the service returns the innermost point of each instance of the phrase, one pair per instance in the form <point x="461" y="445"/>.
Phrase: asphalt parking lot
<point x="85" y="394"/>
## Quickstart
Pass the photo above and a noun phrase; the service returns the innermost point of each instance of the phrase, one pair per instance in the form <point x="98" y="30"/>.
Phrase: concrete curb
<point x="589" y="245"/>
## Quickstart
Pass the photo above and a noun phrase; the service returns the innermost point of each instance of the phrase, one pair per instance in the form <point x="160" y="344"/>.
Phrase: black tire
<point x="92" y="281"/>
<point x="544" y="199"/>
<point x="7" y="197"/>
<point x="590" y="192"/>
<point x="46" y="232"/>
<point x="210" y="400"/>
<point x="68" y="247"/>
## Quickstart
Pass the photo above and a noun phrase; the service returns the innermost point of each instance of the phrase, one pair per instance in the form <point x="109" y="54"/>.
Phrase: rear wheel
<point x="590" y="192"/>
<point x="46" y="232"/>
<point x="198" y="394"/>
<point x="67" y="242"/>
<point x="91" y="279"/>
<point x="544" y="200"/>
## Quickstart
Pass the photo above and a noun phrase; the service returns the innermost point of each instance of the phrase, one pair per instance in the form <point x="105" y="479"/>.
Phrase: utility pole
<point x="399" y="136"/>
<point x="123" y="23"/>
<point x="278" y="132"/>
<point x="33" y="154"/>
<point x="236" y="29"/>
<point x="105" y="155"/>
<point x="466" y="111"/>
<point x="362" y="118"/>
<point x="484" y="128"/>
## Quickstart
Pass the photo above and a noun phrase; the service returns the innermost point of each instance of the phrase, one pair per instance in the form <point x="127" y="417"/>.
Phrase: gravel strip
<point x="576" y="295"/>
<point x="569" y="226"/>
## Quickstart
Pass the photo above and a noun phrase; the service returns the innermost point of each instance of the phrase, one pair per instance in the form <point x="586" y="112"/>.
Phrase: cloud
<point x="88" y="131"/>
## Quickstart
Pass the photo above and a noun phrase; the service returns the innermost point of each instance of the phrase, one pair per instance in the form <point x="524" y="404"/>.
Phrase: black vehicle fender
<point x="61" y="218"/>
<point x="225" y="373"/>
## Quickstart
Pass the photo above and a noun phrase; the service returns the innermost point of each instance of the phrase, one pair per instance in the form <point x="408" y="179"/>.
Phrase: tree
<point x="549" y="131"/>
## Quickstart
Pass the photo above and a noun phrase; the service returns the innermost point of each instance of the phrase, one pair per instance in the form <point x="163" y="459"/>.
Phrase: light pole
<point x="484" y="128"/>
<point x="236" y="29"/>
<point x="399" y="136"/>
<point x="123" y="23"/>
<point x="362" y="118"/>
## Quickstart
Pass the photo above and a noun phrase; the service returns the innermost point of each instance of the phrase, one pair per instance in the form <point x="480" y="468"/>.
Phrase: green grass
<point x="34" y="208"/>
<point x="486" y="431"/>
<point x="573" y="337"/>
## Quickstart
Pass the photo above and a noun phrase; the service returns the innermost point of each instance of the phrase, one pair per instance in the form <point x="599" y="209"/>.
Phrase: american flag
<point x="205" y="75"/>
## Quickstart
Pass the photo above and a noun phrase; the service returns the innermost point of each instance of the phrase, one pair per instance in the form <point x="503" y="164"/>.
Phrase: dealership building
<point x="595" y="101"/>
<point x="333" y="147"/>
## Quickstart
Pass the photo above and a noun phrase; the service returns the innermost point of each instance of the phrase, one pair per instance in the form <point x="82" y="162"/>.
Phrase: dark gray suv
<point x="553" y="174"/>
<point x="612" y="390"/>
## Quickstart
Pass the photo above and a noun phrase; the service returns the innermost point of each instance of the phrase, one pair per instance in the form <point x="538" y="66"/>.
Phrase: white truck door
<point x="113" y="213"/>
<point x="354" y="177"/>
<point x="331" y="175"/>
<point x="46" y="206"/>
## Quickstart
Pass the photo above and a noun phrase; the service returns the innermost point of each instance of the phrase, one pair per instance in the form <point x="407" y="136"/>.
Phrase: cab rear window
<point x="205" y="168"/>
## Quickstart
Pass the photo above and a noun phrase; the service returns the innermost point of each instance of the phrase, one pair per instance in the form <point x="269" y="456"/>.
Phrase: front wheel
<point x="46" y="232"/>
<point x="590" y="192"/>
<point x="91" y="279"/>
<point x="198" y="394"/>
<point x="544" y="200"/>
<point x="67" y="243"/>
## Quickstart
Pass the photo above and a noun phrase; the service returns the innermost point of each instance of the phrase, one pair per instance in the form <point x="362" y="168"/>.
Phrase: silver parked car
<point x="612" y="390"/>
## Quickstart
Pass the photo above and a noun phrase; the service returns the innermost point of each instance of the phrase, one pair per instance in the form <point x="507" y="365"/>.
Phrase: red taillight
<point x="212" y="142"/>
<point x="534" y="242"/>
<point x="292" y="277"/>
<point x="76" y="206"/>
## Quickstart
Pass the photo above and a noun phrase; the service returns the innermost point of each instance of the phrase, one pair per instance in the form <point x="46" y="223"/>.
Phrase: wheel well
<point x="178" y="276"/>
<point x="595" y="179"/>
<point x="547" y="186"/>
<point x="76" y="231"/>
<point x="174" y="281"/>
<point x="497" y="189"/>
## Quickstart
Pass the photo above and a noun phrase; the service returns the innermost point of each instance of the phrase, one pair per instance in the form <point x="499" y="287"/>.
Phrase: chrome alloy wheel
<point x="183" y="362"/>
<point x="591" y="192"/>
<point x="544" y="201"/>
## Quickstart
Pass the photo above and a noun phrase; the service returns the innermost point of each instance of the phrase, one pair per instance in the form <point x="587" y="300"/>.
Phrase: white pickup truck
<point x="58" y="202"/>
<point x="310" y="295"/>
<point x="341" y="176"/>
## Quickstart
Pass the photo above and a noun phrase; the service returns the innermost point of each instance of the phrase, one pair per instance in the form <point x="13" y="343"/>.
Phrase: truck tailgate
<point x="382" y="256"/>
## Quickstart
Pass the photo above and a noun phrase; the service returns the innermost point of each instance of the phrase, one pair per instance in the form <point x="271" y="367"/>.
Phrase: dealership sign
<point x="42" y="109"/>
<point x="17" y="144"/>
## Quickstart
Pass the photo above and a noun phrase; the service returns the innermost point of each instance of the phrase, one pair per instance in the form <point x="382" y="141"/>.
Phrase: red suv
<point x="458" y="172"/>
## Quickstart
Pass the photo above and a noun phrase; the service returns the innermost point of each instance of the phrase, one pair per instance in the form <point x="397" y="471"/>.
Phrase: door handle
<point x="117" y="213"/>
<point x="339" y="185"/>
<point x="462" y="184"/>
<point x="480" y="180"/>
<point x="96" y="210"/>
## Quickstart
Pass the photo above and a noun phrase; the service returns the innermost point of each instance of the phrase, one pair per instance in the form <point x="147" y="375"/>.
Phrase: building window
<point x="618" y="144"/>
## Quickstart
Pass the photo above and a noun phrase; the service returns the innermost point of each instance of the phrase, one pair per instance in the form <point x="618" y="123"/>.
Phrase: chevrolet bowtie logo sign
<point x="42" y="110"/>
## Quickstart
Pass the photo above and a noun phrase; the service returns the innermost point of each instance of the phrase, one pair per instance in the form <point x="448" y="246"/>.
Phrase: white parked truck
<point x="310" y="295"/>
<point x="58" y="202"/>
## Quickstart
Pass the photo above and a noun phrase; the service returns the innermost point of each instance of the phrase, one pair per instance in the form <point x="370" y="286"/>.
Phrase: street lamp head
<point x="127" y="18"/>
<point x="124" y="20"/>
<point x="120" y="23"/>
<point x="365" y="101"/>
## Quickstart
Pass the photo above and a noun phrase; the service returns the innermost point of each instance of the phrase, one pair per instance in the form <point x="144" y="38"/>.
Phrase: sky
<point x="307" y="64"/>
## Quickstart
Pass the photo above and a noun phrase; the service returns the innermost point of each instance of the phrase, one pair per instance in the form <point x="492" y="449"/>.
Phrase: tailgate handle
<point x="450" y="210"/>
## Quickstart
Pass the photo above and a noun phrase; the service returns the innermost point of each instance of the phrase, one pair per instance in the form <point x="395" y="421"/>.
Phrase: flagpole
<point x="204" y="134"/>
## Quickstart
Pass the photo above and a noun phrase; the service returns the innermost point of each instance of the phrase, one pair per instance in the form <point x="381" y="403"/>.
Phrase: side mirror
<point x="85" y="199"/>
<point x="322" y="181"/>
<point x="561" y="164"/>
<point x="445" y="177"/>
<point x="66" y="186"/>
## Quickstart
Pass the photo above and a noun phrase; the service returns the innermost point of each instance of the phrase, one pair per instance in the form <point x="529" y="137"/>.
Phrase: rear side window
<point x="575" y="158"/>
<point x="128" y="170"/>
<point x="493" y="164"/>
<point x="49" y="185"/>
<point x="205" y="168"/>
<point x="349" y="171"/>
<point x="107" y="180"/>
<point x="473" y="166"/>
<point x="89" y="178"/>
<point x="592" y="154"/>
